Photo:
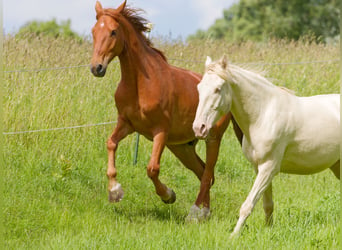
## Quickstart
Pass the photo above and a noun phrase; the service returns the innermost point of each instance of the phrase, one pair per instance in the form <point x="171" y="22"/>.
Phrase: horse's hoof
<point x="116" y="193"/>
<point x="197" y="215"/>
<point x="193" y="214"/>
<point x="171" y="197"/>
<point x="234" y="235"/>
<point x="205" y="213"/>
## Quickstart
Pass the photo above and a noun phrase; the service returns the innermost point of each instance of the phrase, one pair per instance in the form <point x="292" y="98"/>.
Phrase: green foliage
<point x="55" y="191"/>
<point x="260" y="20"/>
<point x="49" y="28"/>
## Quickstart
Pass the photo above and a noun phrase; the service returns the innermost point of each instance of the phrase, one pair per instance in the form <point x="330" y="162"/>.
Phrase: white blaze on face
<point x="102" y="24"/>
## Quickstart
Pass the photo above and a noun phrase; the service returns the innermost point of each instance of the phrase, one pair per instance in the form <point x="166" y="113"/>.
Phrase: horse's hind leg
<point x="187" y="155"/>
<point x="336" y="169"/>
<point x="212" y="150"/>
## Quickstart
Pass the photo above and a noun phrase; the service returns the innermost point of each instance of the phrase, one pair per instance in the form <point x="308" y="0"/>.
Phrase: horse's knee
<point x="111" y="146"/>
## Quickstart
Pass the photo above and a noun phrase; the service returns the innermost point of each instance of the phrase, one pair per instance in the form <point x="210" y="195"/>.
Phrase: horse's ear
<point x="98" y="9"/>
<point x="208" y="61"/>
<point x="224" y="61"/>
<point x="121" y="7"/>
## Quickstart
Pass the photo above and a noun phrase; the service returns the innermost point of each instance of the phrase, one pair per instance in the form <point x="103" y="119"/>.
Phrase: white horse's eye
<point x="217" y="90"/>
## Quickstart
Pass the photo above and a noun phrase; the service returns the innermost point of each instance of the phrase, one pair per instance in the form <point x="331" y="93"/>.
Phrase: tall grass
<point x="55" y="183"/>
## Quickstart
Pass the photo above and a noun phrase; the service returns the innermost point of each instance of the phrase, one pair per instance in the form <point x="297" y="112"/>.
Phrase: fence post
<point x="135" y="160"/>
<point x="136" y="149"/>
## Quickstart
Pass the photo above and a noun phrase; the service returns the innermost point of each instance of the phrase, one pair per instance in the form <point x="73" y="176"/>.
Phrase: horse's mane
<point x="139" y="23"/>
<point x="233" y="72"/>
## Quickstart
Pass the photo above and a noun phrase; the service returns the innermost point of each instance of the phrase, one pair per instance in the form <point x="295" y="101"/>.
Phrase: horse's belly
<point x="179" y="134"/>
<point x="298" y="162"/>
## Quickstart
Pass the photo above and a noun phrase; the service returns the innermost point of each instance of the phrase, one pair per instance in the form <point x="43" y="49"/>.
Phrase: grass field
<point x="55" y="184"/>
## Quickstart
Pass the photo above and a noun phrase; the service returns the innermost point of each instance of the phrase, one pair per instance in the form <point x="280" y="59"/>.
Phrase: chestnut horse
<point x="155" y="99"/>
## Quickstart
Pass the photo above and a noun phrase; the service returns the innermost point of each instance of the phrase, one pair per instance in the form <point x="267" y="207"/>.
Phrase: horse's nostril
<point x="202" y="129"/>
<point x="99" y="68"/>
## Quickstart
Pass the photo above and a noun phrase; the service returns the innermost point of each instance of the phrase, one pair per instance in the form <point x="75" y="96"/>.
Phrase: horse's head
<point x="108" y="39"/>
<point x="214" y="97"/>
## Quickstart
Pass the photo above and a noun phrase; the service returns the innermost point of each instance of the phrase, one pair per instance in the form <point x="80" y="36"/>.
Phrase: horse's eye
<point x="217" y="90"/>
<point x="113" y="33"/>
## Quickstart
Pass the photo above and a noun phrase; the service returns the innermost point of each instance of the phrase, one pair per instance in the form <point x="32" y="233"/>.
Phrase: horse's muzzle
<point x="98" y="70"/>
<point x="201" y="130"/>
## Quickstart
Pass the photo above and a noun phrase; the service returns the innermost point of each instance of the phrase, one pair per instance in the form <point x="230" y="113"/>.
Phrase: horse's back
<point x="330" y="103"/>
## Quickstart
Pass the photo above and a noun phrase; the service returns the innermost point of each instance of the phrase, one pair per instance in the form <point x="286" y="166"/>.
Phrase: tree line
<point x="260" y="20"/>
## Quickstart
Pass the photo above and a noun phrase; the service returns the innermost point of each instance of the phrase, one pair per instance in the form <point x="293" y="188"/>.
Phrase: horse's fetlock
<point x="111" y="173"/>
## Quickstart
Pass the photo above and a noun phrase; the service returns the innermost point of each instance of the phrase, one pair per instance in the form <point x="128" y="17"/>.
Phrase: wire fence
<point x="55" y="129"/>
<point x="113" y="122"/>
<point x="173" y="59"/>
<point x="45" y="69"/>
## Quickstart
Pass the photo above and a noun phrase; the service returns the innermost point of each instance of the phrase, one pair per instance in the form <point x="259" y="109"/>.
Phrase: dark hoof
<point x="172" y="197"/>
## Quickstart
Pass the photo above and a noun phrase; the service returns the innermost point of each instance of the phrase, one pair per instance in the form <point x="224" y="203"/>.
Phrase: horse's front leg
<point x="122" y="129"/>
<point x="267" y="202"/>
<point x="201" y="209"/>
<point x="266" y="172"/>
<point x="197" y="213"/>
<point x="268" y="205"/>
<point x="166" y="194"/>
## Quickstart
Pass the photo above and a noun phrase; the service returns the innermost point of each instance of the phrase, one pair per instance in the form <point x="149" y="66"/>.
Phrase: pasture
<point x="55" y="192"/>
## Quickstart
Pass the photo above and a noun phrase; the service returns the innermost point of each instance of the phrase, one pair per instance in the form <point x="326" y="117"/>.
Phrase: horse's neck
<point x="136" y="63"/>
<point x="250" y="95"/>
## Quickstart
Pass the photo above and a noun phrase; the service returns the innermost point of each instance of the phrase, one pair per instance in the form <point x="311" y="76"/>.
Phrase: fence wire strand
<point x="55" y="129"/>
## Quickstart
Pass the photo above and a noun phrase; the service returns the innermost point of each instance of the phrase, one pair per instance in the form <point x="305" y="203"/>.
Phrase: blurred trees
<point x="259" y="20"/>
<point x="49" y="28"/>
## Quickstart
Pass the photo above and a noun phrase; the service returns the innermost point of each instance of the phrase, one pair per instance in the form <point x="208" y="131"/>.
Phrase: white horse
<point x="282" y="132"/>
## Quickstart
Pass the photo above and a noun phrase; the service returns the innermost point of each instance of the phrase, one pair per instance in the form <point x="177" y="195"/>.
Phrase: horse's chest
<point x="133" y="112"/>
<point x="143" y="117"/>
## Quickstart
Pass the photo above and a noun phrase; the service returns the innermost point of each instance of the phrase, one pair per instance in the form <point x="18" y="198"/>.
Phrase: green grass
<point x="55" y="193"/>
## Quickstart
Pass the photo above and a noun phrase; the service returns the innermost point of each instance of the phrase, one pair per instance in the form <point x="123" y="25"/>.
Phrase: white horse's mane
<point x="232" y="72"/>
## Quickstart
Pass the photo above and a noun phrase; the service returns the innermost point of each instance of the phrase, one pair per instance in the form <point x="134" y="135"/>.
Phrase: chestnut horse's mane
<point x="139" y="23"/>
